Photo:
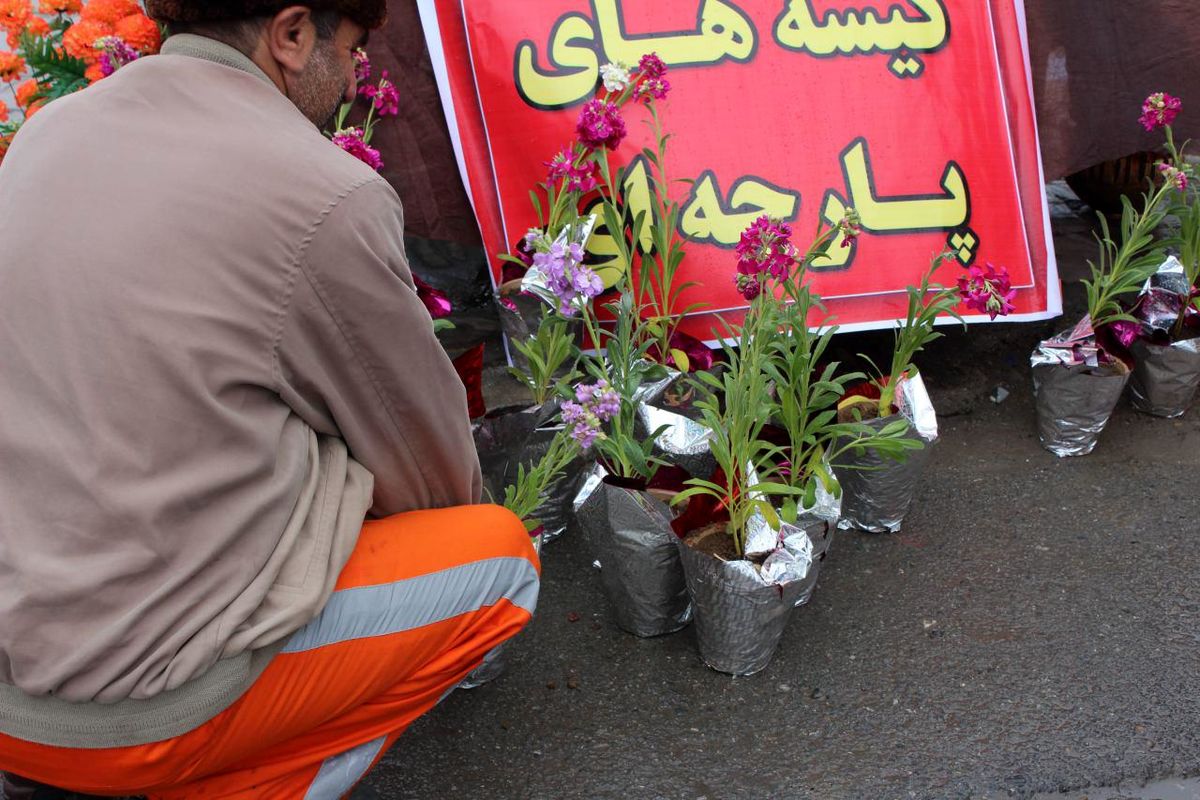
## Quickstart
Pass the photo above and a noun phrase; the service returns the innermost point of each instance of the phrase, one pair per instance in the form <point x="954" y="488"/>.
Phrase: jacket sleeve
<point x="356" y="357"/>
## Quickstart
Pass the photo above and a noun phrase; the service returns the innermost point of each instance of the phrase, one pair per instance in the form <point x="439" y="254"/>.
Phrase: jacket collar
<point x="189" y="44"/>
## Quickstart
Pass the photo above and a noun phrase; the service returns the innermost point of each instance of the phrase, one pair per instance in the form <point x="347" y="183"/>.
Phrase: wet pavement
<point x="1033" y="632"/>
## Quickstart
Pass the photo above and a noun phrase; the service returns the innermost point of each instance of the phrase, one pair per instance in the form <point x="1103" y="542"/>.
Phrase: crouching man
<point x="215" y="368"/>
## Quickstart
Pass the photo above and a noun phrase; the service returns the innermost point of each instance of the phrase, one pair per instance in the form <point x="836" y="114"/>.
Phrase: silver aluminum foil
<point x="501" y="438"/>
<point x="653" y="391"/>
<point x="520" y="315"/>
<point x="877" y="491"/>
<point x="630" y="534"/>
<point x="742" y="609"/>
<point x="818" y="521"/>
<point x="683" y="442"/>
<point x="556" y="508"/>
<point x="1074" y="403"/>
<point x="1166" y="376"/>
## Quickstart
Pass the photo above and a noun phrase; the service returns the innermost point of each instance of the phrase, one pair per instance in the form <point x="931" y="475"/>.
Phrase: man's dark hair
<point x="241" y="34"/>
<point x="238" y="22"/>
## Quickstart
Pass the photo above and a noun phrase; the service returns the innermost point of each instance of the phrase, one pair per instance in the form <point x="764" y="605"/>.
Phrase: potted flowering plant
<point x="1079" y="375"/>
<point x="746" y="535"/>
<point x="877" y="491"/>
<point x="627" y="526"/>
<point x="64" y="48"/>
<point x="1163" y="337"/>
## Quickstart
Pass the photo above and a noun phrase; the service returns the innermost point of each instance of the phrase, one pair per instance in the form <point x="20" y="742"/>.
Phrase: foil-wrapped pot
<point x="743" y="608"/>
<point x="683" y="441"/>
<point x="629" y="532"/>
<point x="877" y="491"/>
<point x="1165" y="377"/>
<point x="1074" y="403"/>
<point x="818" y="520"/>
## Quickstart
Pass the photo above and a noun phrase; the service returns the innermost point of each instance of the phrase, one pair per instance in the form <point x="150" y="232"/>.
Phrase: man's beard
<point x="320" y="88"/>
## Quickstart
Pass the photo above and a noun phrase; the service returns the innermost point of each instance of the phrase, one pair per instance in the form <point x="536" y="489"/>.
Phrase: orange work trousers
<point x="424" y="597"/>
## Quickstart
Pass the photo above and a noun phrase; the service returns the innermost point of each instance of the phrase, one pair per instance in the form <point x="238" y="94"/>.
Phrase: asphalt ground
<point x="1034" y="630"/>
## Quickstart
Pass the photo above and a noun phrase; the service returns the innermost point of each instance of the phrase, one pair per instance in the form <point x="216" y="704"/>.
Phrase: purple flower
<point x="581" y="178"/>
<point x="566" y="275"/>
<point x="600" y="125"/>
<point x="351" y="140"/>
<point x="594" y="404"/>
<point x="651" y="66"/>
<point x="114" y="54"/>
<point x="988" y="291"/>
<point x="362" y="66"/>
<point x="748" y="285"/>
<point x="765" y="247"/>
<point x="1159" y="110"/>
<point x="384" y="95"/>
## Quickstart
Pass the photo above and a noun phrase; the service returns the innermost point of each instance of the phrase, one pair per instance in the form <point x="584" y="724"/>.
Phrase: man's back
<point x="173" y="340"/>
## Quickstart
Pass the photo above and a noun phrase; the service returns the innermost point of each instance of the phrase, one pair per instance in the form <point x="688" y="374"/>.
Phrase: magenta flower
<point x="436" y="302"/>
<point x="1159" y="110"/>
<point x="384" y="95"/>
<point x="600" y="125"/>
<point x="1173" y="175"/>
<point x="351" y="140"/>
<point x="748" y="285"/>
<point x="850" y="227"/>
<point x="114" y="54"/>
<point x="988" y="291"/>
<point x="652" y="82"/>
<point x="765" y="247"/>
<point x="362" y="66"/>
<point x="581" y="178"/>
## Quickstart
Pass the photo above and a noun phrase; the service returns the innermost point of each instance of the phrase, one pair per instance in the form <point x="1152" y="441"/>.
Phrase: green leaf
<point x="58" y="72"/>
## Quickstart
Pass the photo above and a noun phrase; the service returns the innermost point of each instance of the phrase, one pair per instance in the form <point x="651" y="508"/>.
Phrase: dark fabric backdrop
<point x="1093" y="62"/>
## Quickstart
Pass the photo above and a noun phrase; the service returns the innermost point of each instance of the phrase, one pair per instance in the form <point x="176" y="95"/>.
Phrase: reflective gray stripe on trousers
<point x="338" y="773"/>
<point x="404" y="605"/>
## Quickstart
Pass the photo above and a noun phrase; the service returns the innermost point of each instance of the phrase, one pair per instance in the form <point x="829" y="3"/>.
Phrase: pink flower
<point x="351" y="140"/>
<point x="1159" y="110"/>
<point x="114" y="54"/>
<point x="1173" y="175"/>
<point x="988" y="291"/>
<point x="765" y="247"/>
<point x="436" y="302"/>
<point x="362" y="66"/>
<point x="748" y="285"/>
<point x="600" y="125"/>
<point x="651" y="66"/>
<point x="581" y="178"/>
<point x="384" y="95"/>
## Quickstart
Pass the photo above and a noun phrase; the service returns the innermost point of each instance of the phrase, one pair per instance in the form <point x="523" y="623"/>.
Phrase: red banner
<point x="918" y="114"/>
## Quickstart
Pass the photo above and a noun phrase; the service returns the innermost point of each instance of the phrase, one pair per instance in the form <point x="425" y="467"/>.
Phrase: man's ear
<point x="290" y="37"/>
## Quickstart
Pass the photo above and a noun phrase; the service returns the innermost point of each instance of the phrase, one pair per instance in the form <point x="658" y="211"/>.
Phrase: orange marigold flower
<point x="3" y="113"/>
<point x="59" y="6"/>
<point x="38" y="27"/>
<point x="33" y="109"/>
<point x="80" y="39"/>
<point x="11" y="66"/>
<point x="27" y="92"/>
<point x="140" y="32"/>
<point x="94" y="73"/>
<point x="15" y="14"/>
<point x="109" y="11"/>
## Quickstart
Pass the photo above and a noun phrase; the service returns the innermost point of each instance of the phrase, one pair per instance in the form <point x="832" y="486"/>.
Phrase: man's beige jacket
<point x="213" y="365"/>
